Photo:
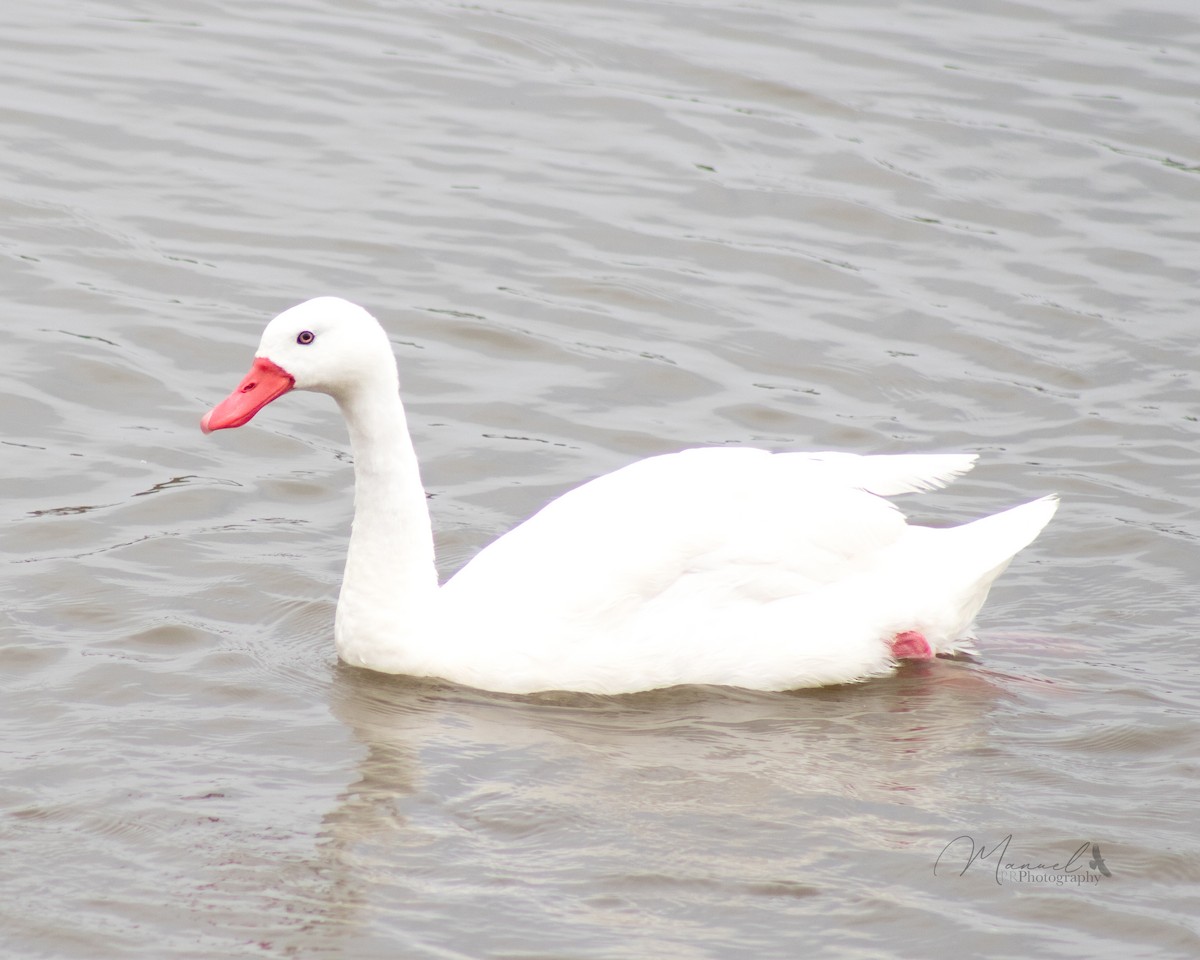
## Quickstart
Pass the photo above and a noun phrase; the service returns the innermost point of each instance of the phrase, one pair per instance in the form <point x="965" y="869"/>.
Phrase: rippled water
<point x="595" y="230"/>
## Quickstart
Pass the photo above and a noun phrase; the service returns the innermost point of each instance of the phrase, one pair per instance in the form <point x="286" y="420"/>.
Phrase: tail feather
<point x="996" y="539"/>
<point x="986" y="546"/>
<point x="952" y="568"/>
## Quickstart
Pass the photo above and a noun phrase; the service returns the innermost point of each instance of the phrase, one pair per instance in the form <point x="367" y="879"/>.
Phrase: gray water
<point x="595" y="231"/>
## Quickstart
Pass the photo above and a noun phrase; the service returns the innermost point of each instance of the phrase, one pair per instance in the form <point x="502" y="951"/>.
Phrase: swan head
<point x="327" y="345"/>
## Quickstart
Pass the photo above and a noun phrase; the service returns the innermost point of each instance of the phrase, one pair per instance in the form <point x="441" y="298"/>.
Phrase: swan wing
<point x="708" y="527"/>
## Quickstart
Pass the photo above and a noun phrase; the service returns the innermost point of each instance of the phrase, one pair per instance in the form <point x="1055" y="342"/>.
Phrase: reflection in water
<point x="718" y="790"/>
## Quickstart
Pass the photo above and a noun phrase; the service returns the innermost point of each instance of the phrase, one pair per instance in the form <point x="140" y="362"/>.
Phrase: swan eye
<point x="306" y="337"/>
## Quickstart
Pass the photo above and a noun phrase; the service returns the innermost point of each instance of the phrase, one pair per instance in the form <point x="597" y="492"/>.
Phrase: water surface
<point x="595" y="231"/>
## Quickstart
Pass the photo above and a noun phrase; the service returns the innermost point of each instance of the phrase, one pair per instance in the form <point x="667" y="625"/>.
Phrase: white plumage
<point x="722" y="565"/>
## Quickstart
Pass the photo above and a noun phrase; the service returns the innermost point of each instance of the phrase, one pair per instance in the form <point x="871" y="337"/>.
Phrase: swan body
<point x="733" y="566"/>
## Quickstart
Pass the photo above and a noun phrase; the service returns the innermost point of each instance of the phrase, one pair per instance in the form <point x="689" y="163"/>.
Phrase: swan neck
<point x="390" y="580"/>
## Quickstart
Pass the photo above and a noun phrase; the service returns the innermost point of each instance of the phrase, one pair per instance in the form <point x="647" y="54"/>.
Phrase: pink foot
<point x="911" y="645"/>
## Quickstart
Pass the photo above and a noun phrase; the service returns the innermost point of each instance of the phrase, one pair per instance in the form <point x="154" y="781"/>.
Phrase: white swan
<point x="734" y="566"/>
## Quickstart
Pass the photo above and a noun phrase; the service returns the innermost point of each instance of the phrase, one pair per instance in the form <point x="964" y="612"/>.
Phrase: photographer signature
<point x="965" y="847"/>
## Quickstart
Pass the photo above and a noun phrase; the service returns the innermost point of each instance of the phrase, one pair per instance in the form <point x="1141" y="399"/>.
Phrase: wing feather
<point x="721" y="523"/>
